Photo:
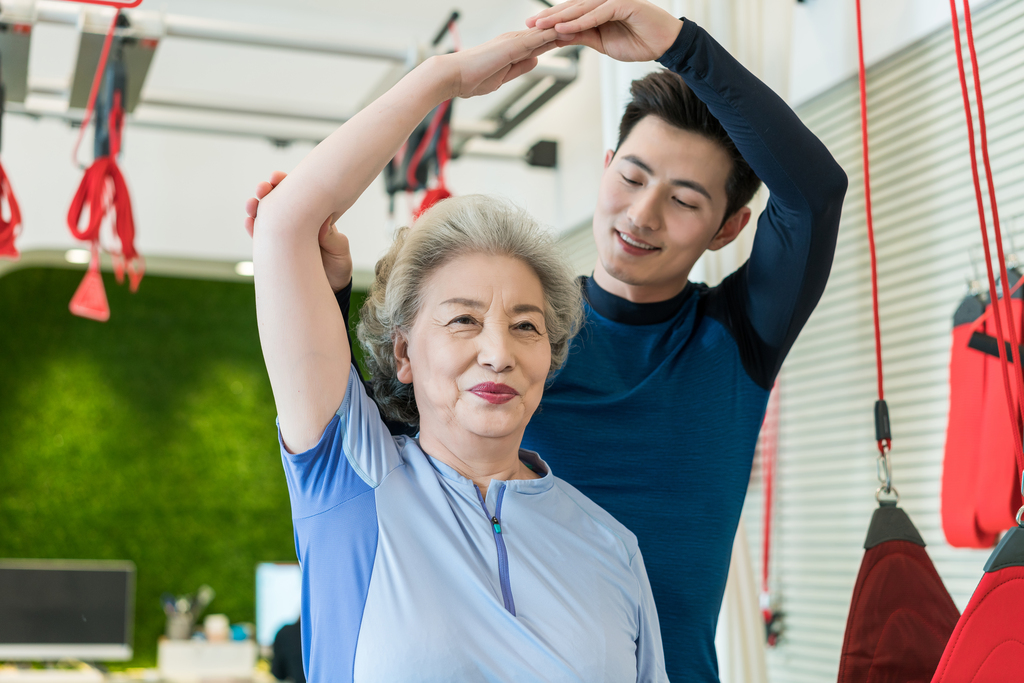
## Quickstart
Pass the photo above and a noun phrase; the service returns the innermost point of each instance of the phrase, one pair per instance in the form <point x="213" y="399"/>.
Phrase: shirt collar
<point x="621" y="310"/>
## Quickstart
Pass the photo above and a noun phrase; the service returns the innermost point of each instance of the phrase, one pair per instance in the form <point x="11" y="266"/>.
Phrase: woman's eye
<point x="463" y="320"/>
<point x="530" y="327"/>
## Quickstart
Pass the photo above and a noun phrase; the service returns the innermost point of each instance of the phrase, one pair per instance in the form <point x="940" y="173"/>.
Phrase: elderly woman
<point x="454" y="556"/>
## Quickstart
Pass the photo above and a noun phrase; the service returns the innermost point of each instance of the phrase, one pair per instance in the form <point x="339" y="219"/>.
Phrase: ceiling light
<point x="77" y="256"/>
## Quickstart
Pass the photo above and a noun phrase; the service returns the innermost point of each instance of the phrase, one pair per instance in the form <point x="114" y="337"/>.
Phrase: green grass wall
<point x="150" y="438"/>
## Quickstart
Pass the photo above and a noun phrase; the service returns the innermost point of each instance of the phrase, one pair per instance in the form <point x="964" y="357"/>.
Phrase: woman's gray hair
<point x="455" y="227"/>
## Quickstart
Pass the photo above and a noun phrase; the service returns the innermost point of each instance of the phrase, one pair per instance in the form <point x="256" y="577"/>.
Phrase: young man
<point x="656" y="413"/>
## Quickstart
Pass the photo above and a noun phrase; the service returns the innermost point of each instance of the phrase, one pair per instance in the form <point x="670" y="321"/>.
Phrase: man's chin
<point x="633" y="276"/>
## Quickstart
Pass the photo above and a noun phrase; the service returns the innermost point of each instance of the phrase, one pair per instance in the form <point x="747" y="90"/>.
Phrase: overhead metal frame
<point x="188" y="112"/>
<point x="15" y="41"/>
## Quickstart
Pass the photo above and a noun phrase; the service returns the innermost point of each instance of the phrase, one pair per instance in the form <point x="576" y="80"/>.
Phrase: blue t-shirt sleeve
<point x="354" y="454"/>
<point x="650" y="657"/>
<point x="774" y="293"/>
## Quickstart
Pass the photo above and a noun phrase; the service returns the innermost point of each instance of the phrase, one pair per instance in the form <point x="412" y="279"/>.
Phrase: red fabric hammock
<point x="988" y="643"/>
<point x="962" y="488"/>
<point x="901" y="614"/>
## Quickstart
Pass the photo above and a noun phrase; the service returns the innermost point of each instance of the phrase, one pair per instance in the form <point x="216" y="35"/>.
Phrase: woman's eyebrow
<point x="458" y="301"/>
<point x="479" y="305"/>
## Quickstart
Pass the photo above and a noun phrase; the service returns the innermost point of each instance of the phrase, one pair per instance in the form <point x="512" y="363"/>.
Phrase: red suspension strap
<point x="769" y="452"/>
<point x="104" y="193"/>
<point x="10" y="226"/>
<point x="1015" y="412"/>
<point x="883" y="433"/>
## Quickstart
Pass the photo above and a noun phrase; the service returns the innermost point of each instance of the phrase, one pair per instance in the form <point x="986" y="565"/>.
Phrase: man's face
<point x="661" y="203"/>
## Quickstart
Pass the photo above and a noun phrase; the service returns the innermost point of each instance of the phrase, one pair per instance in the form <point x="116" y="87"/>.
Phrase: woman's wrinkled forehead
<point x="484" y="282"/>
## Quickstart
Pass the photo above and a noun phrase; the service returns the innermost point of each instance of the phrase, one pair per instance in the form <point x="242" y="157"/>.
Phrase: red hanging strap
<point x="1015" y="411"/>
<point x="769" y="451"/>
<point x="883" y="434"/>
<point x="104" y="193"/>
<point x="10" y="227"/>
<point x="120" y="4"/>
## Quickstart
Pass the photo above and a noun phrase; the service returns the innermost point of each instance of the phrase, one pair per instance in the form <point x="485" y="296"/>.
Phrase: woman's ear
<point x="403" y="368"/>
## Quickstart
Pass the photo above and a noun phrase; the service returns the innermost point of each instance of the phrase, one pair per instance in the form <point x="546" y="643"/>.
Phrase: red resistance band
<point x="440" y="191"/>
<point x="10" y="226"/>
<point x="126" y="4"/>
<point x="105" y="192"/>
<point x="441" y="120"/>
<point x="769" y="454"/>
<point x="901" y="614"/>
<point x="883" y="433"/>
<point x="1015" y="411"/>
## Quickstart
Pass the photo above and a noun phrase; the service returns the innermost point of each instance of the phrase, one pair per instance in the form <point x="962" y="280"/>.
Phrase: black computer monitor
<point x="66" y="609"/>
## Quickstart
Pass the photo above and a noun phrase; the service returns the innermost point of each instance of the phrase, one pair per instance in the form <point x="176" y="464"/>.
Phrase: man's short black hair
<point x="665" y="94"/>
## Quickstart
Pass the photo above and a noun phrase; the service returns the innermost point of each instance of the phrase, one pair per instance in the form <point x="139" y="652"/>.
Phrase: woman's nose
<point x="495" y="351"/>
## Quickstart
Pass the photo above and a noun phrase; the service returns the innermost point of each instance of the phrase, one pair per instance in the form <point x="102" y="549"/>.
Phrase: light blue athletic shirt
<point x="406" y="577"/>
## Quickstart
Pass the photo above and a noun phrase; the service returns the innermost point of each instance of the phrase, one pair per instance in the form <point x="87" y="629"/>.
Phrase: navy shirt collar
<point x="621" y="310"/>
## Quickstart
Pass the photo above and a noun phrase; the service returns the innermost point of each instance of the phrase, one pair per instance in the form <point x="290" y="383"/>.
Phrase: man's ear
<point x="608" y="157"/>
<point x="731" y="229"/>
<point x="402" y="365"/>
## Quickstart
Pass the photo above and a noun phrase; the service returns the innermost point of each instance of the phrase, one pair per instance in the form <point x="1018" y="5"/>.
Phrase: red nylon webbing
<point x="883" y="444"/>
<point x="769" y="452"/>
<point x="9" y="226"/>
<point x="1015" y="352"/>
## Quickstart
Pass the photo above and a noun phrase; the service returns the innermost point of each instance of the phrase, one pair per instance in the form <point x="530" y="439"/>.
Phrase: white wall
<point x="824" y="39"/>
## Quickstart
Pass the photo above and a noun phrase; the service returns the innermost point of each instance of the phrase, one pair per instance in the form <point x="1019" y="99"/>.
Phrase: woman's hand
<point x="626" y="30"/>
<point x="483" y="69"/>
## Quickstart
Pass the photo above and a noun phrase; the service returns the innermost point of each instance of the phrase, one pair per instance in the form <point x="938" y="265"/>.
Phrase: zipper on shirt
<point x="499" y="541"/>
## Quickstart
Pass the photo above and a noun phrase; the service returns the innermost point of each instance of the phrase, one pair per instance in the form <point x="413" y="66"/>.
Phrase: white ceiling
<point x="276" y="78"/>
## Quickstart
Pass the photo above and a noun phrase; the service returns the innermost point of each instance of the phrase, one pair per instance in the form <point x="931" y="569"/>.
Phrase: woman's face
<point x="478" y="352"/>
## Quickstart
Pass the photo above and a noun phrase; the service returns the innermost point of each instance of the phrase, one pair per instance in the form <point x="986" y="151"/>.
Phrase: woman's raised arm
<point x="301" y="330"/>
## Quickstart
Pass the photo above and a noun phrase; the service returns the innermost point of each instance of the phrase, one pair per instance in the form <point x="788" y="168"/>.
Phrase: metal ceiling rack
<point x="143" y="32"/>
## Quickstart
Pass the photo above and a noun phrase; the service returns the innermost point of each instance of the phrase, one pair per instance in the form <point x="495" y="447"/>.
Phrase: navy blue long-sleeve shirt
<point x="656" y="413"/>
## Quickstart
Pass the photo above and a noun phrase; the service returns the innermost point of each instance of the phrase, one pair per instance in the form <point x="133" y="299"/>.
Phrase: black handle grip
<point x="882" y="430"/>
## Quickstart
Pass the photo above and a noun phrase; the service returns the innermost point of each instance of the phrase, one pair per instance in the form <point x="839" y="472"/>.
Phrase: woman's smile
<point x="494" y="393"/>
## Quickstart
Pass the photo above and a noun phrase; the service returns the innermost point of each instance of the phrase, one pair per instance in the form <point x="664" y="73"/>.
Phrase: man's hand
<point x="334" y="249"/>
<point x="626" y="30"/>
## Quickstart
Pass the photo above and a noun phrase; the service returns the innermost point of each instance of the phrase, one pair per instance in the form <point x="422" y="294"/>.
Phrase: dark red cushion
<point x="900" y="617"/>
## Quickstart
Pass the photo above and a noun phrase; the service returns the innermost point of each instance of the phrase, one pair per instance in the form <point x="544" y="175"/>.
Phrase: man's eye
<point x="683" y="204"/>
<point x="630" y="181"/>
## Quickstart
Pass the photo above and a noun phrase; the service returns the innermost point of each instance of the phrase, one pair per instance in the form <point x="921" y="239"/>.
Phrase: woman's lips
<point x="494" y="393"/>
